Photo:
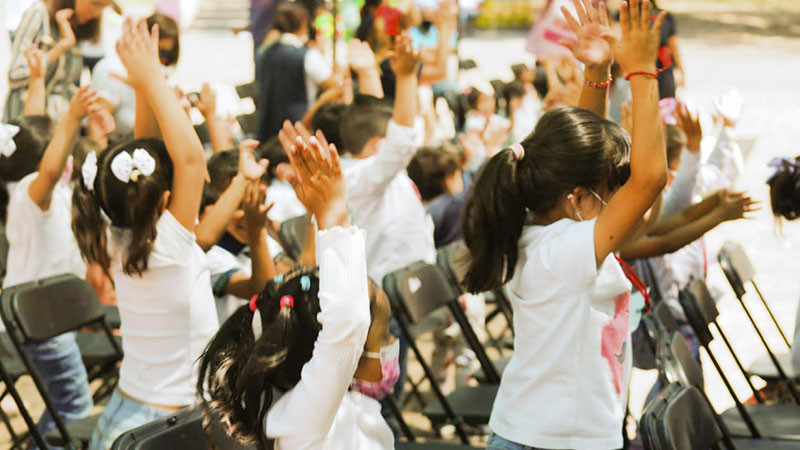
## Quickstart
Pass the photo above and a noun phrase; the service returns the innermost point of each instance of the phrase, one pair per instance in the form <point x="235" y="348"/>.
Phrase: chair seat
<point x="80" y="430"/>
<point x="432" y="446"/>
<point x="500" y="365"/>
<point x="473" y="404"/>
<point x="96" y="350"/>
<point x="764" y="444"/>
<point x="764" y="367"/>
<point x="780" y="422"/>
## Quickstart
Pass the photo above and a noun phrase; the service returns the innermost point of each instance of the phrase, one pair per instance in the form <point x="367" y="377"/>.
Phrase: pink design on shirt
<point x="614" y="335"/>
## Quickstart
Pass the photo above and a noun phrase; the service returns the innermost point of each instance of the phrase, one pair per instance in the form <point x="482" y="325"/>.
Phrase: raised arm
<point x="344" y="303"/>
<point x="55" y="156"/>
<point x="36" y="103"/>
<point x="636" y="53"/>
<point x="206" y="103"/>
<point x="212" y="226"/>
<point x="593" y="49"/>
<point x="138" y="50"/>
<point x="361" y="59"/>
<point x="447" y="20"/>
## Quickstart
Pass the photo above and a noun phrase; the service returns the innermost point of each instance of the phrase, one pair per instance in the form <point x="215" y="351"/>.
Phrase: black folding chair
<point x="37" y="311"/>
<point x="680" y="418"/>
<point x="781" y="422"/>
<point x="248" y="123"/>
<point x="416" y="292"/>
<point x="679" y="366"/>
<point x="739" y="270"/>
<point x="292" y="235"/>
<point x="11" y="370"/>
<point x="247" y="90"/>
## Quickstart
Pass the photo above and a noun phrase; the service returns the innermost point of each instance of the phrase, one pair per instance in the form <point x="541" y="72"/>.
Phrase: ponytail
<point x="492" y="222"/>
<point x="4" y="199"/>
<point x="89" y="227"/>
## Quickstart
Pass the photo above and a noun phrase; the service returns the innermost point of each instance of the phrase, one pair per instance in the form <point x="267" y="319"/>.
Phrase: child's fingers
<point x="581" y="13"/>
<point x="302" y="131"/>
<point x="248" y="145"/>
<point x="323" y="141"/>
<point x="591" y="11"/>
<point x="635" y="15"/>
<point x="290" y="131"/>
<point x="657" y="24"/>
<point x="316" y="159"/>
<point x="301" y="154"/>
<point x="603" y="14"/>
<point x="571" y="21"/>
<point x="624" y="19"/>
<point x="336" y="165"/>
<point x="154" y="36"/>
<point x="645" y="16"/>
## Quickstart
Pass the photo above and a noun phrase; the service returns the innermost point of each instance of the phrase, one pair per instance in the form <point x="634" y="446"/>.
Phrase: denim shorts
<point x="122" y="414"/>
<point x="498" y="443"/>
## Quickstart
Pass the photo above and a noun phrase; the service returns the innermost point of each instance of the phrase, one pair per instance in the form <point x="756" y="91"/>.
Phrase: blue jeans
<point x="498" y="443"/>
<point x="122" y="414"/>
<point x="59" y="363"/>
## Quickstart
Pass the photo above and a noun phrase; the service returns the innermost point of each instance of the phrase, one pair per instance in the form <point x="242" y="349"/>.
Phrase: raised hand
<point x="36" y="62"/>
<point x="251" y="169"/>
<point x="138" y="50"/>
<point x="255" y="206"/>
<point x="690" y="124"/>
<point x="206" y="101"/>
<point x="735" y="206"/>
<point x="67" y="35"/>
<point x="86" y="101"/>
<point x="404" y="60"/>
<point x="318" y="180"/>
<point x="594" y="34"/>
<point x="638" y="48"/>
<point x="729" y="107"/>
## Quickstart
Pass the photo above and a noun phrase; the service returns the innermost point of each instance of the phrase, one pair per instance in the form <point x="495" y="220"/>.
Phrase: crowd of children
<point x="549" y="186"/>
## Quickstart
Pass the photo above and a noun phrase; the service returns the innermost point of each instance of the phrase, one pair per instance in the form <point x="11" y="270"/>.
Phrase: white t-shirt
<point x="385" y="202"/>
<point x="119" y="94"/>
<point x="168" y="316"/>
<point x="285" y="202"/>
<point x="40" y="243"/>
<point x="565" y="385"/>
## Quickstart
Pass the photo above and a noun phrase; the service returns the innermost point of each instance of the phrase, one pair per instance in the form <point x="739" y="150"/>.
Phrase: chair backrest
<point x="677" y="361"/>
<point x="688" y="421"/>
<point x="664" y="315"/>
<point x="737" y="267"/>
<point x="40" y="310"/>
<point x="453" y="259"/>
<point x="292" y="235"/>
<point x="248" y="123"/>
<point x="705" y="301"/>
<point x="247" y="90"/>
<point x="419" y="289"/>
<point x="694" y="314"/>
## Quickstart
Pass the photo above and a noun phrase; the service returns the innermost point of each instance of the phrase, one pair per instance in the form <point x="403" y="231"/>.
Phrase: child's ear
<point x="165" y="200"/>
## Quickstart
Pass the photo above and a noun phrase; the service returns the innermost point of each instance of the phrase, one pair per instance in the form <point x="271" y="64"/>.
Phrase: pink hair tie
<point x="519" y="151"/>
<point x="287" y="300"/>
<point x="253" y="306"/>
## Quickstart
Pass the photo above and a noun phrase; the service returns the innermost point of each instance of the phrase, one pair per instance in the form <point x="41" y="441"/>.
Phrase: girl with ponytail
<point x="303" y="366"/>
<point x="545" y="217"/>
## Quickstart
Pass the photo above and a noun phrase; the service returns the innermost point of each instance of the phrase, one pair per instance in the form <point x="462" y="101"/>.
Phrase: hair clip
<point x="287" y="300"/>
<point x="784" y="164"/>
<point x="89" y="170"/>
<point x="7" y="134"/>
<point x="253" y="300"/>
<point x="127" y="167"/>
<point x="305" y="283"/>
<point x="519" y="151"/>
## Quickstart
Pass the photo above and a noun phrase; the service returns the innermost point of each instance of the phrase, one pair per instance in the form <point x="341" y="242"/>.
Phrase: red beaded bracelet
<point x="649" y="74"/>
<point x="596" y="85"/>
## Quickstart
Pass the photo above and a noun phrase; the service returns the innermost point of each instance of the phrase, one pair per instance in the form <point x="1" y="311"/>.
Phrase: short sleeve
<point x="174" y="243"/>
<point x="315" y="67"/>
<point x="568" y="251"/>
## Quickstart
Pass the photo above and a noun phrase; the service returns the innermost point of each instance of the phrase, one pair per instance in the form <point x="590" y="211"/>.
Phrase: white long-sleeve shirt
<point x="319" y="412"/>
<point x="385" y="202"/>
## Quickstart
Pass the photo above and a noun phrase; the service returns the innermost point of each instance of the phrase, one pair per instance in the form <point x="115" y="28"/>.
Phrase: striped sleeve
<point x="29" y="32"/>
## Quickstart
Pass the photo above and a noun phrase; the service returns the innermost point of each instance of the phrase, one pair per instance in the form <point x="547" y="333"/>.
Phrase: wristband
<point x="598" y="85"/>
<point x="649" y="74"/>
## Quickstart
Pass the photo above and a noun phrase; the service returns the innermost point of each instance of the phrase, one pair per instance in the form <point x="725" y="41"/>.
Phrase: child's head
<point x="363" y="126"/>
<point x="784" y="188"/>
<point x="22" y="145"/>
<point x="293" y="18"/>
<point x="169" y="44"/>
<point x="540" y="82"/>
<point x="567" y="168"/>
<point x="676" y="141"/>
<point x="435" y="171"/>
<point x="523" y="73"/>
<point x="328" y="119"/>
<point x="256" y="351"/>
<point x="279" y="167"/>
<point x="480" y="102"/>
<point x="131" y="185"/>
<point x="513" y="93"/>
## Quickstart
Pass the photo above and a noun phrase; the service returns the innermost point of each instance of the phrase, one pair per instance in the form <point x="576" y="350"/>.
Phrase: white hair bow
<point x="127" y="168"/>
<point x="89" y="170"/>
<point x="7" y="144"/>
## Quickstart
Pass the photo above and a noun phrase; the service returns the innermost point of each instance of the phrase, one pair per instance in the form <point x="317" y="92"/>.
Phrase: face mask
<point x="390" y="372"/>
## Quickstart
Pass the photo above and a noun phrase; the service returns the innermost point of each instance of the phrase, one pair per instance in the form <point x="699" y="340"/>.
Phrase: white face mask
<point x="390" y="372"/>
<point x="574" y="202"/>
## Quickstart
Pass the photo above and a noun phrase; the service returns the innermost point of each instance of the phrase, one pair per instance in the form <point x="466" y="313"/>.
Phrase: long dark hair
<point x="83" y="31"/>
<point x="784" y="190"/>
<point x="238" y="373"/>
<point x="34" y="134"/>
<point x="132" y="207"/>
<point x="570" y="147"/>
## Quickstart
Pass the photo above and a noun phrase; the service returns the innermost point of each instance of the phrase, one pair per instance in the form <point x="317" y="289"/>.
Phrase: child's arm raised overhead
<point x="636" y="54"/>
<point x="36" y="103"/>
<point x="593" y="49"/>
<point x="58" y="150"/>
<point x="138" y="50"/>
<point x="405" y="62"/>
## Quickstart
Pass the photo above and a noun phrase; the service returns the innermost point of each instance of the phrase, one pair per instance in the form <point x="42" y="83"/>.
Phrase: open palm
<point x="594" y="34"/>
